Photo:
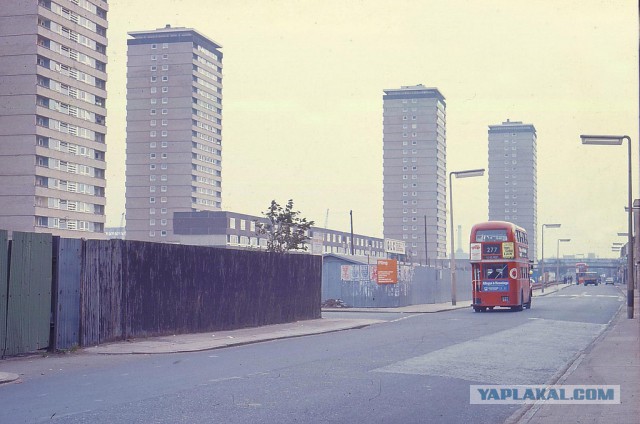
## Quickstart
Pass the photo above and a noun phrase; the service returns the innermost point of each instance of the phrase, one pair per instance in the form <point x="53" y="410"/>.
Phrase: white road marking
<point x="527" y="354"/>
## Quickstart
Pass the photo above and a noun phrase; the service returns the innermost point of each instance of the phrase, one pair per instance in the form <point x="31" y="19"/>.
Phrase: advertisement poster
<point x="508" y="250"/>
<point x="387" y="271"/>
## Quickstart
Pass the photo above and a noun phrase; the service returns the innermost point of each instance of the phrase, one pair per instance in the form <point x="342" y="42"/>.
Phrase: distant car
<point x="608" y="280"/>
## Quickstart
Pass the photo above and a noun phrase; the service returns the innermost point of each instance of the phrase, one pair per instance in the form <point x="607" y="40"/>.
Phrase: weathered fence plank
<point x="4" y="284"/>
<point x="29" y="293"/>
<point x="66" y="292"/>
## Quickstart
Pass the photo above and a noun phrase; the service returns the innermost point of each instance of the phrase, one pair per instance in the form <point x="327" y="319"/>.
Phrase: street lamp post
<point x="459" y="174"/>
<point x="616" y="140"/>
<point x="558" y="258"/>
<point x="544" y="279"/>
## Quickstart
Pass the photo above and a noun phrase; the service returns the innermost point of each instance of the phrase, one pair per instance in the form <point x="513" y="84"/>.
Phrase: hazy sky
<point x="303" y="84"/>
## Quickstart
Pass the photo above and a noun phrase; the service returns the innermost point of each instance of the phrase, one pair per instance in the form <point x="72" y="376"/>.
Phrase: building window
<point x="152" y="200"/>
<point x="154" y="89"/>
<point x="154" y="78"/>
<point x="154" y="46"/>
<point x="165" y="45"/>
<point x="232" y="223"/>
<point x="152" y="112"/>
<point x="152" y="123"/>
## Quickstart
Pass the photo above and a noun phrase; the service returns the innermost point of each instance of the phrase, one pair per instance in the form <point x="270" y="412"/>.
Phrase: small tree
<point x="286" y="230"/>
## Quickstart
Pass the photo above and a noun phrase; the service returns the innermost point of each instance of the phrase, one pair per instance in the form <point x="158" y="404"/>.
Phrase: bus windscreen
<point x="491" y="235"/>
<point x="496" y="271"/>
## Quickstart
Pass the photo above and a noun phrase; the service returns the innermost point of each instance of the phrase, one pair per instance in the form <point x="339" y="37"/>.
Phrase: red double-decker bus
<point x="581" y="271"/>
<point x="499" y="255"/>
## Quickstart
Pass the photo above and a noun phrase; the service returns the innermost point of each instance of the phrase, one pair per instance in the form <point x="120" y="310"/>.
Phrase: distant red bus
<point x="499" y="255"/>
<point x="581" y="271"/>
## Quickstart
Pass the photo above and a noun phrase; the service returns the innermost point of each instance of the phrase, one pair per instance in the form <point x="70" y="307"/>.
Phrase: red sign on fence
<point x="387" y="271"/>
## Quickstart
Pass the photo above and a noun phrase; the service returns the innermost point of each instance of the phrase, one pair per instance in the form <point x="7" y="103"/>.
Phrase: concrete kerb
<point x="206" y="341"/>
<point x="526" y="413"/>
<point x="7" y="377"/>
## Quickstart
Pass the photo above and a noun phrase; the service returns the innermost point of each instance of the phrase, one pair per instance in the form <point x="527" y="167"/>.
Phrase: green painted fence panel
<point x="4" y="283"/>
<point x="29" y="294"/>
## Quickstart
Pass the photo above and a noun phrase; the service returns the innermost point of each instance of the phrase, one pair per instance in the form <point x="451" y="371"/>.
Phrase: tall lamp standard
<point x="616" y="140"/>
<point x="558" y="258"/>
<point x="544" y="279"/>
<point x="459" y="174"/>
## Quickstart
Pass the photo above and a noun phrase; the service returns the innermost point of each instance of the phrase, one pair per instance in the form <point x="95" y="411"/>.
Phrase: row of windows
<point x="206" y="73"/>
<point x="206" y="95"/>
<point x="164" y="46"/>
<point x="70" y="110"/>
<point x="153" y="122"/>
<point x="206" y="148"/>
<point x="67" y="128"/>
<point x="154" y="78"/>
<point x="74" y="92"/>
<point x="206" y="116"/>
<point x="152" y="211"/>
<point x="69" y="167"/>
<point x="70" y="186"/>
<point x="207" y="191"/>
<point x="152" y="222"/>
<point x="70" y="205"/>
<point x="207" y="52"/>
<point x="206" y="137"/>
<point x="155" y="57"/>
<point x="69" y="224"/>
<point x="155" y="90"/>
<point x="206" y="105"/>
<point x="207" y="63"/>
<point x="207" y="84"/>
<point x="153" y="144"/>
<point x="208" y="181"/>
<point x="155" y="68"/>
<point x="205" y="202"/>
<point x="207" y="159"/>
<point x="74" y="149"/>
<point x="154" y="177"/>
<point x="163" y="233"/>
<point x="72" y="73"/>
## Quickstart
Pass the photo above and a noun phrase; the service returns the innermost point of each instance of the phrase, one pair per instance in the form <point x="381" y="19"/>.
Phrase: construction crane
<point x="122" y="226"/>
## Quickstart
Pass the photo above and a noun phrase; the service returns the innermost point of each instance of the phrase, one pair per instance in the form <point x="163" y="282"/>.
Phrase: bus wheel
<point x="520" y="306"/>
<point x="476" y="308"/>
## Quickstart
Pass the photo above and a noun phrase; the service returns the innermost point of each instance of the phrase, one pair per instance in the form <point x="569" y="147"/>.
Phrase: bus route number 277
<point x="490" y="250"/>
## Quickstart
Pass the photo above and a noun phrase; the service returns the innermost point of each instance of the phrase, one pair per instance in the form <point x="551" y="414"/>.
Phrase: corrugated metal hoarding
<point x="29" y="293"/>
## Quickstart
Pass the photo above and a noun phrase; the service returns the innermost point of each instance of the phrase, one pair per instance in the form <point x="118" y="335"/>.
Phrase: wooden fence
<point x="110" y="290"/>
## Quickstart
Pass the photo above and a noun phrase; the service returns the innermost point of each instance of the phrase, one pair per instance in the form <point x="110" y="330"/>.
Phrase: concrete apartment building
<point x="513" y="183"/>
<point x="174" y="129"/>
<point x="52" y="116"/>
<point x="414" y="162"/>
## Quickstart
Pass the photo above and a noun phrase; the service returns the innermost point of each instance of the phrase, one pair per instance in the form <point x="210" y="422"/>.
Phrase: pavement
<point x="613" y="358"/>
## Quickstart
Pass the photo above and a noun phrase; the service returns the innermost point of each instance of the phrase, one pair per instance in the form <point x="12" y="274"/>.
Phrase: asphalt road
<point x="410" y="369"/>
